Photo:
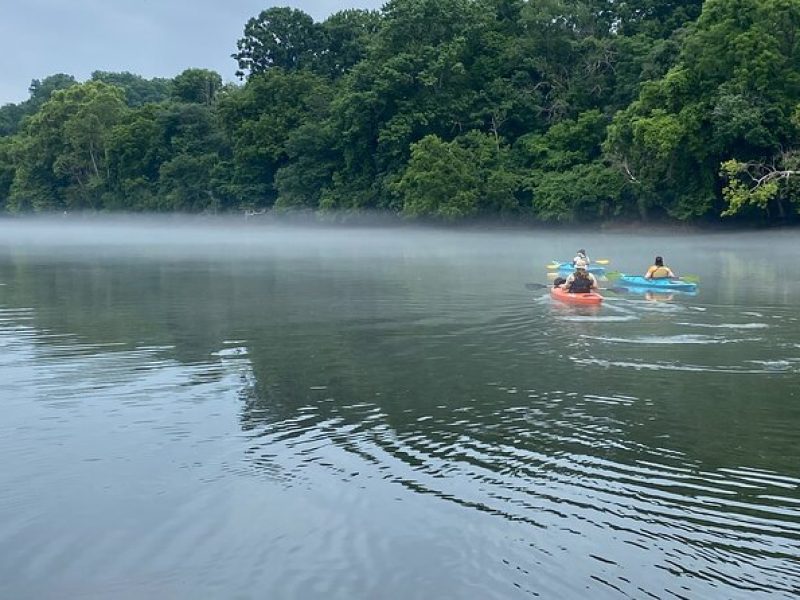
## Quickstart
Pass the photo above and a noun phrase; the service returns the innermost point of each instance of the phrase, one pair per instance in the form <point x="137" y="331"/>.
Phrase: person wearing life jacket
<point x="580" y="281"/>
<point x="582" y="256"/>
<point x="659" y="271"/>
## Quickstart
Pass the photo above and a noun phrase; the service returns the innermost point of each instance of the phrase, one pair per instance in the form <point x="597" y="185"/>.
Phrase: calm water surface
<point x="241" y="412"/>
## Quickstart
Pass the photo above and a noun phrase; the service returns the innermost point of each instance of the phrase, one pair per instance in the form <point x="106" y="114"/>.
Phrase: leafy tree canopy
<point x="558" y="110"/>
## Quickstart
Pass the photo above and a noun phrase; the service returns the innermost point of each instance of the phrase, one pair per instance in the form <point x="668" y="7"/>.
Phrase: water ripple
<point x="693" y="515"/>
<point x="330" y="428"/>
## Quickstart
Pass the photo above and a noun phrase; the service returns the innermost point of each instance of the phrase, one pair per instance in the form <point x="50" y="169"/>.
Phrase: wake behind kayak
<point x="565" y="296"/>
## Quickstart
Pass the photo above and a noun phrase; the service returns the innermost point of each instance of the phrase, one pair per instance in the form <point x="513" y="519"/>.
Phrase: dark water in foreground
<point x="352" y="414"/>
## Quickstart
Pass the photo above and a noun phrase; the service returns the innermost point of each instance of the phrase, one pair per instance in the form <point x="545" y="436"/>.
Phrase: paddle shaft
<point x="599" y="261"/>
<point x="547" y="286"/>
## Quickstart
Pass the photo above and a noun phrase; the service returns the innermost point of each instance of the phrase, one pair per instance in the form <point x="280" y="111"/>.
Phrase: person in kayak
<point x="659" y="271"/>
<point x="580" y="281"/>
<point x="581" y="256"/>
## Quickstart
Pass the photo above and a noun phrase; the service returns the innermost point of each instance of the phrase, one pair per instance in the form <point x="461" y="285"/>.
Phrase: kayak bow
<point x="564" y="296"/>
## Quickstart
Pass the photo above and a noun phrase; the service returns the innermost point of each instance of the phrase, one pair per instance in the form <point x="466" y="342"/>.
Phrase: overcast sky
<point x="151" y="38"/>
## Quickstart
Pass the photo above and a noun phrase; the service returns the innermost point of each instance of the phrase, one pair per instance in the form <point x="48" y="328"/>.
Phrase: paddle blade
<point x="613" y="274"/>
<point x="690" y="278"/>
<point x="602" y="261"/>
<point x="536" y="286"/>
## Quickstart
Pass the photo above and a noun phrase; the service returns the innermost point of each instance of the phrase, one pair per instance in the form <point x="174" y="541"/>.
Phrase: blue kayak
<point x="651" y="291"/>
<point x="657" y="284"/>
<point x="567" y="267"/>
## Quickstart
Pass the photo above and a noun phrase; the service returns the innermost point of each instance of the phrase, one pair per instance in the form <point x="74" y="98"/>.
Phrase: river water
<point x="230" y="411"/>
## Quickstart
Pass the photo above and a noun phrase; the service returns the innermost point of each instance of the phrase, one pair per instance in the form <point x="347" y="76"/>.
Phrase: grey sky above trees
<point x="151" y="38"/>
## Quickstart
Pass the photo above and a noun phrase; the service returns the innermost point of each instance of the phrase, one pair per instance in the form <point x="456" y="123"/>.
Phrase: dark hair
<point x="581" y="251"/>
<point x="659" y="261"/>
<point x="559" y="281"/>
<point x="581" y="274"/>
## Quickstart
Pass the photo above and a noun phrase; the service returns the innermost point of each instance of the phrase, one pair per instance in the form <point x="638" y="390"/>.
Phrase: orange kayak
<point x="564" y="296"/>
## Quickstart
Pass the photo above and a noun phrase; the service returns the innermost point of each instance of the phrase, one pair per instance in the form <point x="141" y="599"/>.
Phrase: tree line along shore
<point x="551" y="111"/>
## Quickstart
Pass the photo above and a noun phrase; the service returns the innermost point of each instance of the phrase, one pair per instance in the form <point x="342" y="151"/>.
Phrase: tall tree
<point x="62" y="159"/>
<point x="258" y="121"/>
<point x="200" y="86"/>
<point x="346" y="36"/>
<point x="278" y="37"/>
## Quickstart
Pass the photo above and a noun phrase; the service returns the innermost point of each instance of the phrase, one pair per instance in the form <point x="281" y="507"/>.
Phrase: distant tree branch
<point x="756" y="183"/>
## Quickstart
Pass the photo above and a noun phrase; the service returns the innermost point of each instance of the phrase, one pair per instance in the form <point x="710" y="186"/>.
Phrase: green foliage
<point x="6" y="170"/>
<point x="565" y="144"/>
<point x="738" y="194"/>
<point x="11" y="115"/>
<point x="656" y="18"/>
<point x="284" y="38"/>
<point x="259" y="120"/>
<point x="732" y="94"/>
<point x="411" y="26"/>
<point x="168" y="156"/>
<point x="585" y="192"/>
<point x="138" y="90"/>
<point x="186" y="183"/>
<point x="346" y="38"/>
<point x="565" y="175"/>
<point x="61" y="161"/>
<point x="439" y="181"/>
<point x="308" y="174"/>
<point x="462" y="178"/>
<point x="568" y="110"/>
<point x="42" y="90"/>
<point x="138" y="146"/>
<point x="754" y="185"/>
<point x="200" y="86"/>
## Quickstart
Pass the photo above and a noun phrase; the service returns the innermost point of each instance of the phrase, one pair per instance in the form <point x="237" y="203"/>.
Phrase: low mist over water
<point x="232" y="409"/>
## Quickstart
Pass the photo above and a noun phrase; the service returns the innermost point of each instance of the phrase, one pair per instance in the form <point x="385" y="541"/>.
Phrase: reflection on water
<point x="393" y="417"/>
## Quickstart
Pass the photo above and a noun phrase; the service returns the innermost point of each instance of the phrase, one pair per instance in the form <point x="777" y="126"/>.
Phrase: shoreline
<point x="392" y="221"/>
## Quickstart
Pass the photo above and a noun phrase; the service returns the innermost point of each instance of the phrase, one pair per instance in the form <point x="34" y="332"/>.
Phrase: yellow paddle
<point x="599" y="261"/>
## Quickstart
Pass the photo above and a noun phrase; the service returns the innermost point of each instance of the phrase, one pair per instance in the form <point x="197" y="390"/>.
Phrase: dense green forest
<point x="551" y="110"/>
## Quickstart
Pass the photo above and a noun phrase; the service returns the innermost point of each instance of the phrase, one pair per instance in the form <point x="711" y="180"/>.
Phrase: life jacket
<point x="659" y="272"/>
<point x="580" y="285"/>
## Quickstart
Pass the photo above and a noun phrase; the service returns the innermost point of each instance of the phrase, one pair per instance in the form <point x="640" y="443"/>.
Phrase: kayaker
<point x="659" y="271"/>
<point x="582" y="256"/>
<point x="580" y="281"/>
